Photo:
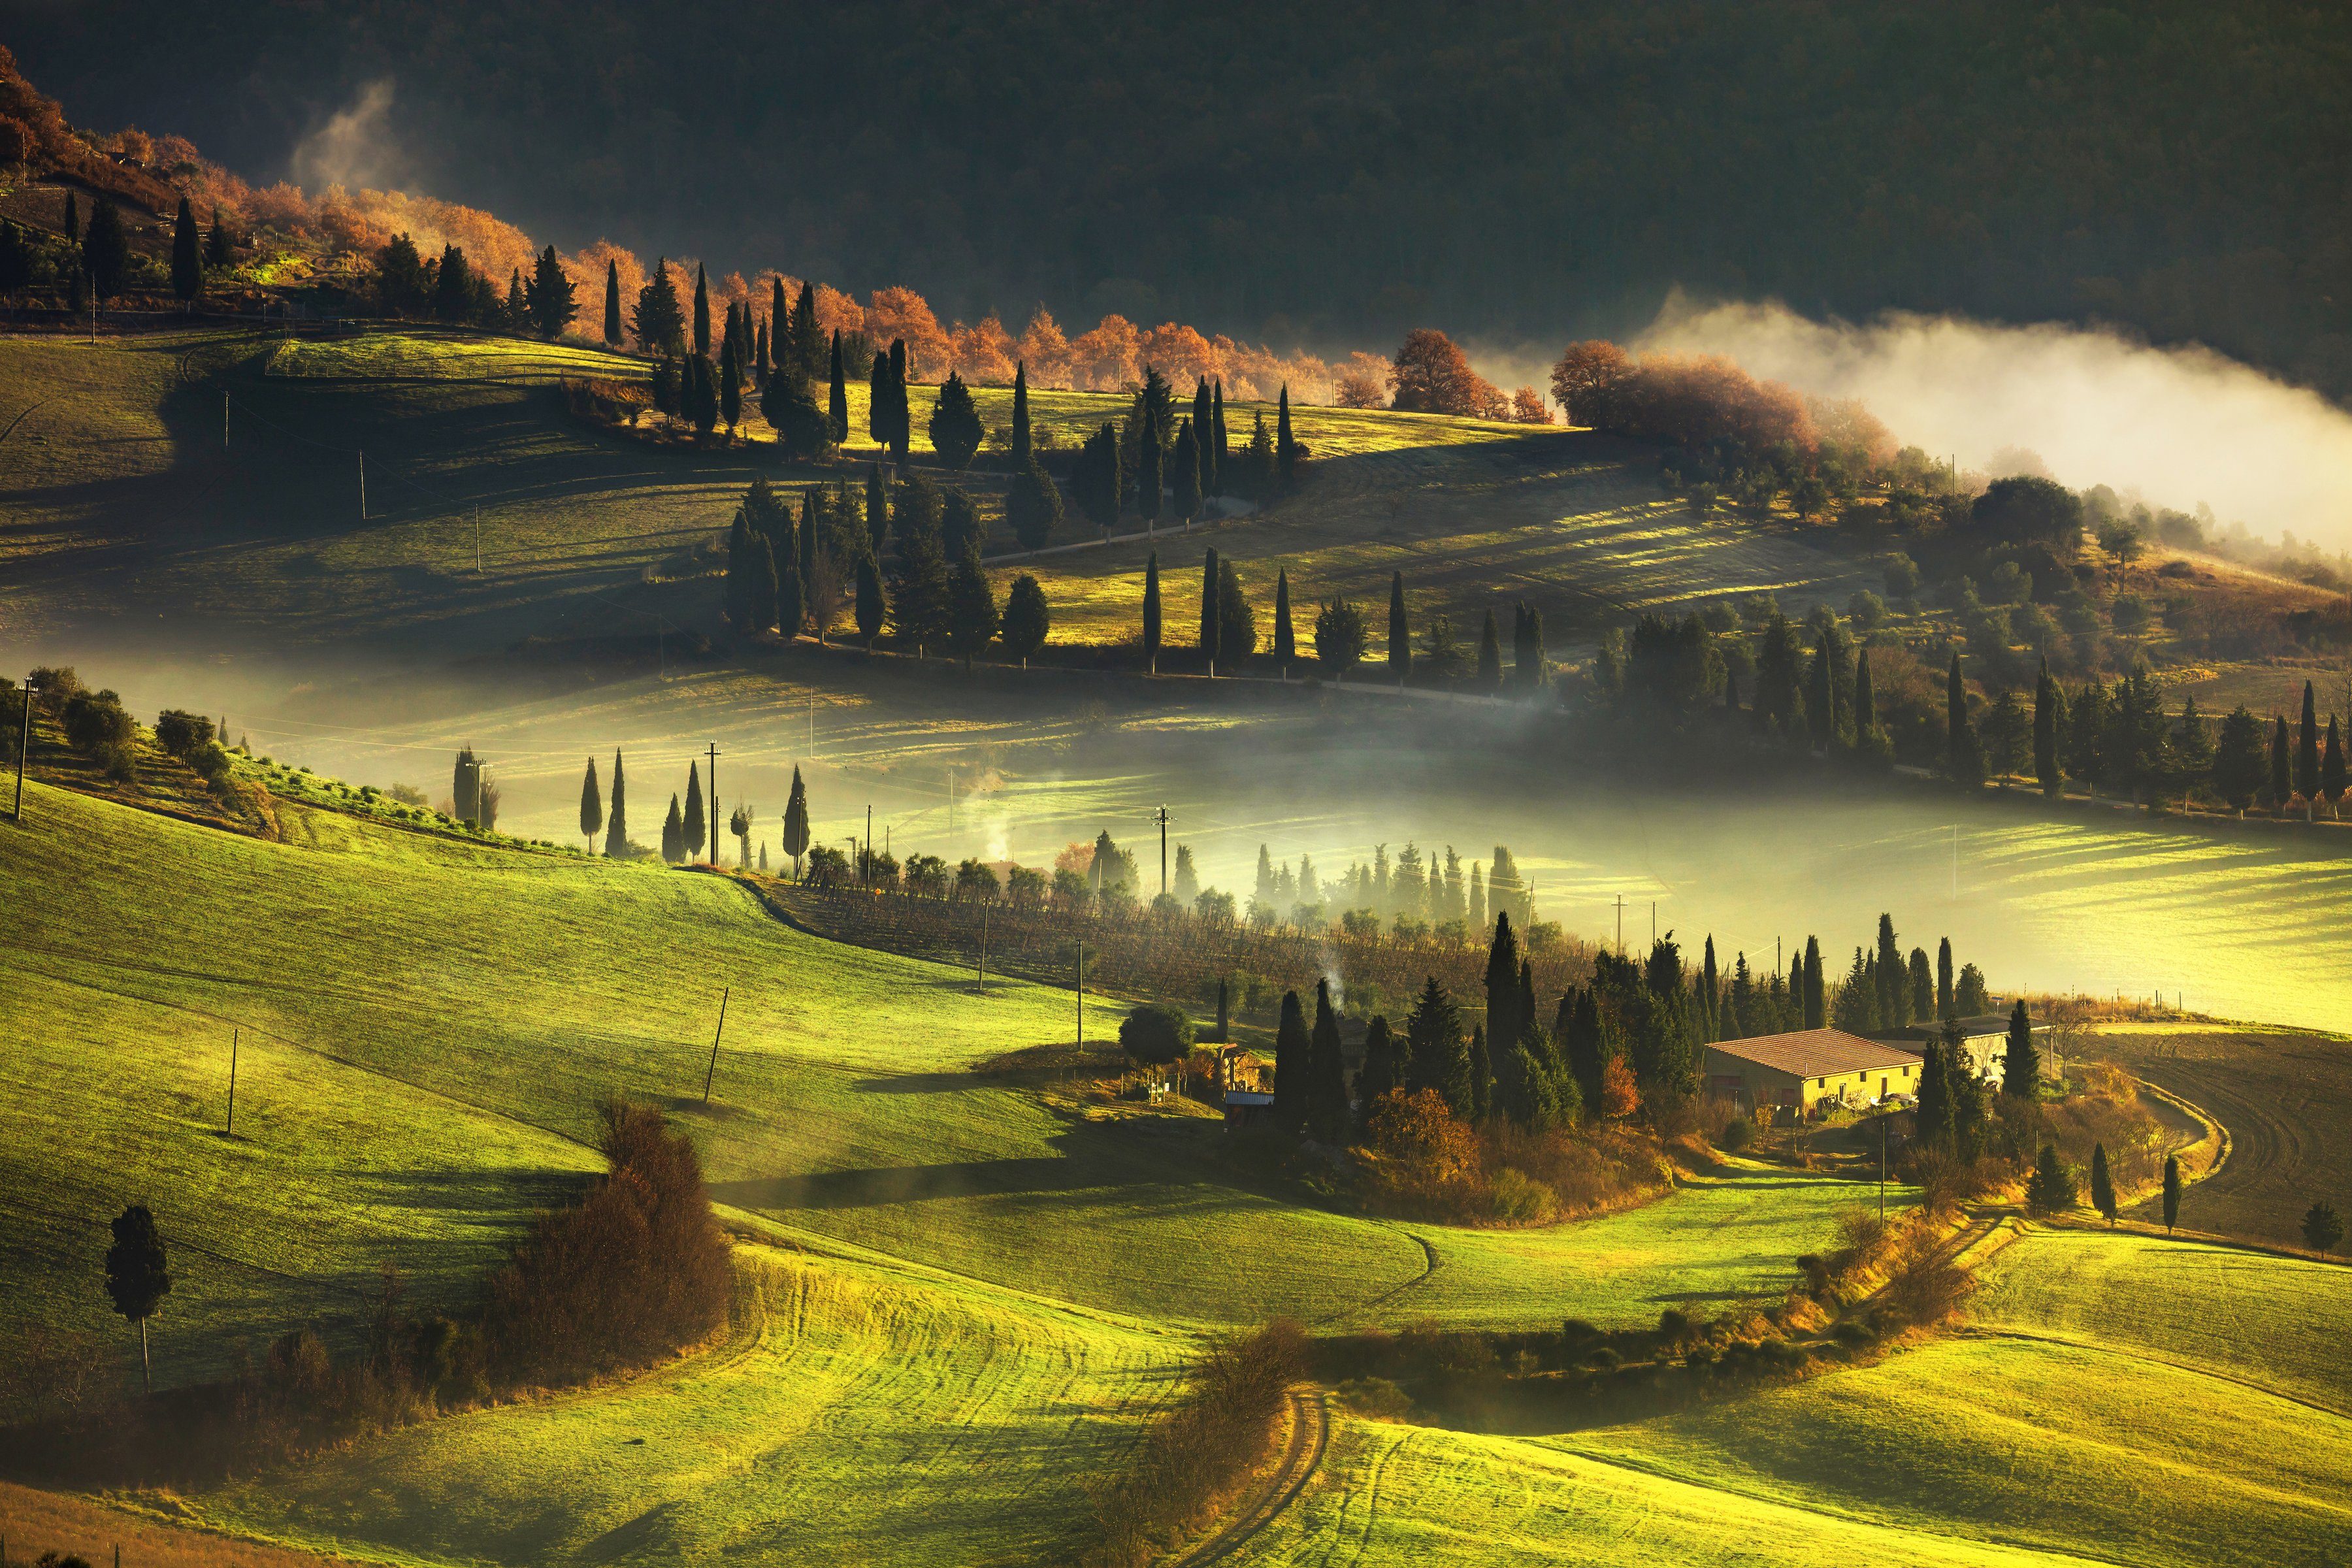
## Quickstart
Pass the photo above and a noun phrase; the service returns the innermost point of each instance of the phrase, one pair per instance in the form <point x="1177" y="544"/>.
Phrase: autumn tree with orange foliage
<point x="1619" y="1095"/>
<point x="1419" y="1157"/>
<point x="1430" y="375"/>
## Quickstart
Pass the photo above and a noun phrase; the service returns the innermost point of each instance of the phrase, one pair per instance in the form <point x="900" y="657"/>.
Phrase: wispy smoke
<point x="355" y="147"/>
<point x="2176" y="426"/>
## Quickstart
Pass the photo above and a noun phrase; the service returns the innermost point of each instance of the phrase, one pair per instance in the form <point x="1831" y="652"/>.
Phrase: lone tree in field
<point x="612" y="304"/>
<point x="1400" y="630"/>
<point x="2050" y="1190"/>
<point x="1151" y="612"/>
<point x="187" y="256"/>
<point x="2020" y="1063"/>
<point x="691" y="839"/>
<point x="1490" y="655"/>
<point x="1285" y="639"/>
<point x="2171" y="1191"/>
<point x="137" y="1275"/>
<point x="1027" y="619"/>
<point x="796" y="822"/>
<point x="1210" y="622"/>
<point x="2103" y="1185"/>
<point x="2323" y="1227"/>
<point x="592" y="807"/>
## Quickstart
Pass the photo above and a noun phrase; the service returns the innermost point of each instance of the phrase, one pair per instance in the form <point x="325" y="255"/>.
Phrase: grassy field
<point x="2089" y="1412"/>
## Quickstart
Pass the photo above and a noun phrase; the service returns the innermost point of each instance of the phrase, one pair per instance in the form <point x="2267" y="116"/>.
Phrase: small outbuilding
<point x="1809" y="1068"/>
<point x="1247" y="1108"/>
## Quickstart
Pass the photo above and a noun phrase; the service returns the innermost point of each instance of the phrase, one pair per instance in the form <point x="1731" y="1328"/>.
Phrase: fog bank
<point x="2180" y="426"/>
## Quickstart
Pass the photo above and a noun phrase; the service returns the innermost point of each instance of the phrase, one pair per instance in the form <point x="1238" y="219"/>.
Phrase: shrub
<point x="95" y="722"/>
<point x="2050" y="1188"/>
<point x="182" y="734"/>
<point x="1156" y="1032"/>
<point x="1737" y="1134"/>
<point x="1853" y="1333"/>
<point x="634" y="1271"/>
<point x="1377" y="1399"/>
<point x="1520" y="1199"/>
<point x="1420" y="1159"/>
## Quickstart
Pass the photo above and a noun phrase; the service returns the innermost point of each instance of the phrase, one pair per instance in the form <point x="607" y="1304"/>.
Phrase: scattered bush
<point x="180" y="733"/>
<point x="1737" y="1134"/>
<point x="1156" y="1032"/>
<point x="1520" y="1200"/>
<point x="95" y="722"/>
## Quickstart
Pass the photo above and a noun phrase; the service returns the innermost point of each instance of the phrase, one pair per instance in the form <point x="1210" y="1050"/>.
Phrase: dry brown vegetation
<point x="1194" y="1457"/>
<point x="36" y="1522"/>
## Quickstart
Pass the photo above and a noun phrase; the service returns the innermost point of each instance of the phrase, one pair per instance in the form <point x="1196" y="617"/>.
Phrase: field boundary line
<point x="2215" y="1129"/>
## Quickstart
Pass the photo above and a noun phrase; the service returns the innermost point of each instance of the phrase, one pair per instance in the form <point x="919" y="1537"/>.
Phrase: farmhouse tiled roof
<point x="1817" y="1053"/>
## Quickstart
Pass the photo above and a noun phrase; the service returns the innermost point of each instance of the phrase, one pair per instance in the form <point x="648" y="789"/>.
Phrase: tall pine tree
<point x="1021" y="415"/>
<point x="701" y="310"/>
<point x="616" y="821"/>
<point x="691" y="841"/>
<point x="592" y="807"/>
<point x="612" y="303"/>
<point x="1151" y="612"/>
<point x="187" y="257"/>
<point x="1293" y="1066"/>
<point x="1326" y="1074"/>
<point x="1210" y="622"/>
<point x="1401" y="666"/>
<point x="836" y="407"/>
<point x="1285" y="640"/>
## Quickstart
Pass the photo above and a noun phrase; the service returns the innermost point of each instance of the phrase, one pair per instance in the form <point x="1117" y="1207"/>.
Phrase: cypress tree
<point x="1326" y="1073"/>
<point x="791" y="593"/>
<point x="1481" y="1074"/>
<point x="701" y="310"/>
<point x="673" y="844"/>
<point x="1816" y="1000"/>
<point x="106" y="250"/>
<point x="1033" y="506"/>
<point x="1285" y="641"/>
<point x="1187" y="474"/>
<point x="1432" y="1033"/>
<point x="1820" y="701"/>
<point x="836" y="404"/>
<point x="762" y="367"/>
<point x="730" y="383"/>
<point x="2045" y="732"/>
<point x="2103" y="1185"/>
<point x="1504" y="1026"/>
<point x="869" y="600"/>
<point x="612" y="303"/>
<point x="1490" y="655"/>
<point x="1293" y="1066"/>
<point x="919" y="587"/>
<point x="1150" y="474"/>
<point x="810" y="529"/>
<point x="616" y="822"/>
<point x="807" y="347"/>
<point x="1527" y="648"/>
<point x="1923" y="987"/>
<point x="1205" y="413"/>
<point x="219" y="249"/>
<point x="1401" y="666"/>
<point x="1285" y="450"/>
<point x="1151" y="612"/>
<point x="2282" y="768"/>
<point x="72" y="221"/>
<point x="2020" y="1063"/>
<point x="902" y="419"/>
<point x="1219" y="448"/>
<point x="2306" y="748"/>
<point x="187" y="259"/>
<point x="2171" y="1191"/>
<point x="796" y="822"/>
<point x="1237" y="622"/>
<point x="1020" y="414"/>
<point x="1934" y="1115"/>
<point x="1944" y="978"/>
<point x="592" y="807"/>
<point x="1210" y="620"/>
<point x="692" y="840"/>
<point x="1382" y="1070"/>
<point x="2331" y="767"/>
<point x="1865" y="699"/>
<point x="1894" y="980"/>
<point x="2049" y="1190"/>
<point x="1964" y="757"/>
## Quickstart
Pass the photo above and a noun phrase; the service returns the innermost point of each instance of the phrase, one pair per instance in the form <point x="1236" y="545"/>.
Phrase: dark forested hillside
<point x="1515" y="169"/>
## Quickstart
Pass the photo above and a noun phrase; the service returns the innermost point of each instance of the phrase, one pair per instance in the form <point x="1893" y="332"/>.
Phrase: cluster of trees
<point x="2118" y="737"/>
<point x="1417" y="893"/>
<point x="1430" y="375"/>
<point x="1160" y="461"/>
<point x="92" y="260"/>
<point x="449" y="287"/>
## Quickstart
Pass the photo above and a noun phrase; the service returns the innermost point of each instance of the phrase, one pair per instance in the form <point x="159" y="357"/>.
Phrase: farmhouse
<point x="1983" y="1039"/>
<point x="1810" y="1067"/>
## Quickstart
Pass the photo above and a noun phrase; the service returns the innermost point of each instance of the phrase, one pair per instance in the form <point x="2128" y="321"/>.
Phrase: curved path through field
<point x="1310" y="1434"/>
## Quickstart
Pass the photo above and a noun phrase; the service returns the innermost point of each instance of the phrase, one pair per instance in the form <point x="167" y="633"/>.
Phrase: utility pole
<point x="1162" y="820"/>
<point x="1082" y="997"/>
<point x="1956" y="862"/>
<point x="223" y="421"/>
<point x="951" y="803"/>
<point x="477" y="542"/>
<point x="363" y="486"/>
<point x="23" y="745"/>
<point x="712" y="809"/>
<point x="867" y="864"/>
<point x="1883" y="1115"/>
<point x="1654" y="923"/>
<point x="1621" y="925"/>
<point x="709" y="1072"/>
<point x="230" y="1130"/>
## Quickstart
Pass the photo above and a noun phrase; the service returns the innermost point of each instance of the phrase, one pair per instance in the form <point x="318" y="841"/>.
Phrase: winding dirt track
<point x="1310" y="1429"/>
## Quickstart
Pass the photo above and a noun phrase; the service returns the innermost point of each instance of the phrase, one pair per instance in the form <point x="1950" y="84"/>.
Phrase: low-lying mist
<point x="2179" y="425"/>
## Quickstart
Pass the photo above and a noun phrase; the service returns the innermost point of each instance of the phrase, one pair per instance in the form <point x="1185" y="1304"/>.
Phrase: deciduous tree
<point x="138" y="1274"/>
